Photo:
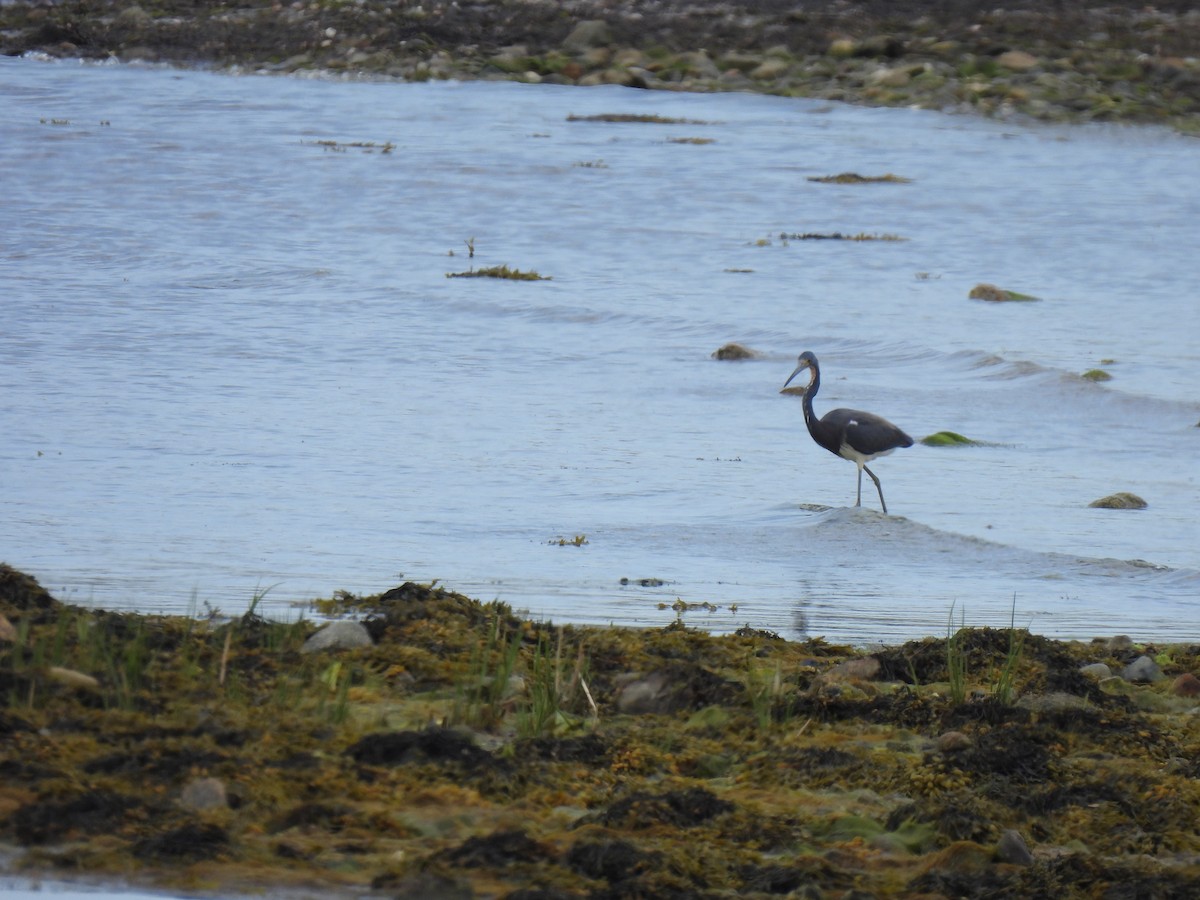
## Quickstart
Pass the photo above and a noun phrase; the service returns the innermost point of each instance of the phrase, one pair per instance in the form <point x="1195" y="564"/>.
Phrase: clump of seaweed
<point x="735" y="351"/>
<point x="1096" y="375"/>
<point x="691" y="140"/>
<point x="645" y="118"/>
<point x="364" y="146"/>
<point x="837" y="236"/>
<point x="500" y="272"/>
<point x="1119" y="500"/>
<point x="855" y="178"/>
<point x="948" y="439"/>
<point x="577" y="541"/>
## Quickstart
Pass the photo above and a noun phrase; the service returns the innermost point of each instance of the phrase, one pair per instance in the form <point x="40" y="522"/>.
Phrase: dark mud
<point x="1123" y="61"/>
<point x="470" y="753"/>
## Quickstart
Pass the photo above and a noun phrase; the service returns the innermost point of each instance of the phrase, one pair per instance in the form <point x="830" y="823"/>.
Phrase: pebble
<point x="204" y="793"/>
<point x="1096" y="670"/>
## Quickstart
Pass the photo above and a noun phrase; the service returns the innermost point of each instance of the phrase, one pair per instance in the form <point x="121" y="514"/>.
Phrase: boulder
<point x="342" y="635"/>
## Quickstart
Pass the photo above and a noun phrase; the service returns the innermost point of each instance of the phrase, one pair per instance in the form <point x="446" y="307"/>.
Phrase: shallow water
<point x="232" y="362"/>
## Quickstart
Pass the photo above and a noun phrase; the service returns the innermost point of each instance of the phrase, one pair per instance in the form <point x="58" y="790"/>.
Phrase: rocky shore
<point x="426" y="745"/>
<point x="1120" y="62"/>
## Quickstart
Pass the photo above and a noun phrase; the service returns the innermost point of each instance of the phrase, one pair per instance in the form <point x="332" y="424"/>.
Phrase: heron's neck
<point x="823" y="434"/>
<point x="810" y="417"/>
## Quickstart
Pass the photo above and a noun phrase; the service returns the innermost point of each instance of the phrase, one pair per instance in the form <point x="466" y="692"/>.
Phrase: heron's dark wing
<point x="866" y="432"/>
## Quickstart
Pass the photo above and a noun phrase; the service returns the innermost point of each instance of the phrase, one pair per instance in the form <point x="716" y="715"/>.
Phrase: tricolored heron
<point x="848" y="433"/>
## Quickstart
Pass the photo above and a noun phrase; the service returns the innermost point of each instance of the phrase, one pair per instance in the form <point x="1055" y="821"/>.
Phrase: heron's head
<point x="806" y="361"/>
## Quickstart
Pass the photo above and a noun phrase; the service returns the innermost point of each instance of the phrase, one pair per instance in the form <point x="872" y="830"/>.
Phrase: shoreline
<point x="1125" y="63"/>
<point x="420" y="743"/>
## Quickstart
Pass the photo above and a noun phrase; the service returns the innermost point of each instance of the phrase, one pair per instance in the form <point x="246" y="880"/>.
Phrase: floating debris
<point x="999" y="295"/>
<point x="500" y="272"/>
<point x="690" y="140"/>
<point x="855" y="178"/>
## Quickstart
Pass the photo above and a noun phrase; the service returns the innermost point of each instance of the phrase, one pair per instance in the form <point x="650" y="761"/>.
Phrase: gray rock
<point x="1096" y="670"/>
<point x="651" y="694"/>
<point x="1011" y="848"/>
<point x="588" y="34"/>
<point x="1143" y="669"/>
<point x="342" y="635"/>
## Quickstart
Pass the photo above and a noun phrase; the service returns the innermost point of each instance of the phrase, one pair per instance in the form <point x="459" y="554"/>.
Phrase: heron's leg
<point x="878" y="487"/>
<point x="858" y="502"/>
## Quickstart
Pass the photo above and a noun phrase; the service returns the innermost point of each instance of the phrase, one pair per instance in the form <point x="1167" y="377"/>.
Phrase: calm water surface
<point x="231" y="360"/>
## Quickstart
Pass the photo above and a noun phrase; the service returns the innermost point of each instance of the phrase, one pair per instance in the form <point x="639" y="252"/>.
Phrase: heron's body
<point x="849" y="433"/>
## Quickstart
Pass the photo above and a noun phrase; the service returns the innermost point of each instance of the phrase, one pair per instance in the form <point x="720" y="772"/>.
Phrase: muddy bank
<point x="1123" y="62"/>
<point x="453" y="749"/>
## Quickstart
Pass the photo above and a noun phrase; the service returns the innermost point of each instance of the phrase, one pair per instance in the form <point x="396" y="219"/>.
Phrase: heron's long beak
<point x="800" y="368"/>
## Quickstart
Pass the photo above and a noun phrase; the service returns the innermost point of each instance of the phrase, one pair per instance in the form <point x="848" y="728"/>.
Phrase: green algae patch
<point x="995" y="294"/>
<point x="469" y="751"/>
<point x="948" y="439"/>
<point x="500" y="272"/>
<point x="1096" y="375"/>
<point x="855" y="178"/>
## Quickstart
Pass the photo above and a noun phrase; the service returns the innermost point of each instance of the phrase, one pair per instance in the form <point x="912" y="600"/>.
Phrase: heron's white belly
<point x="847" y="452"/>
